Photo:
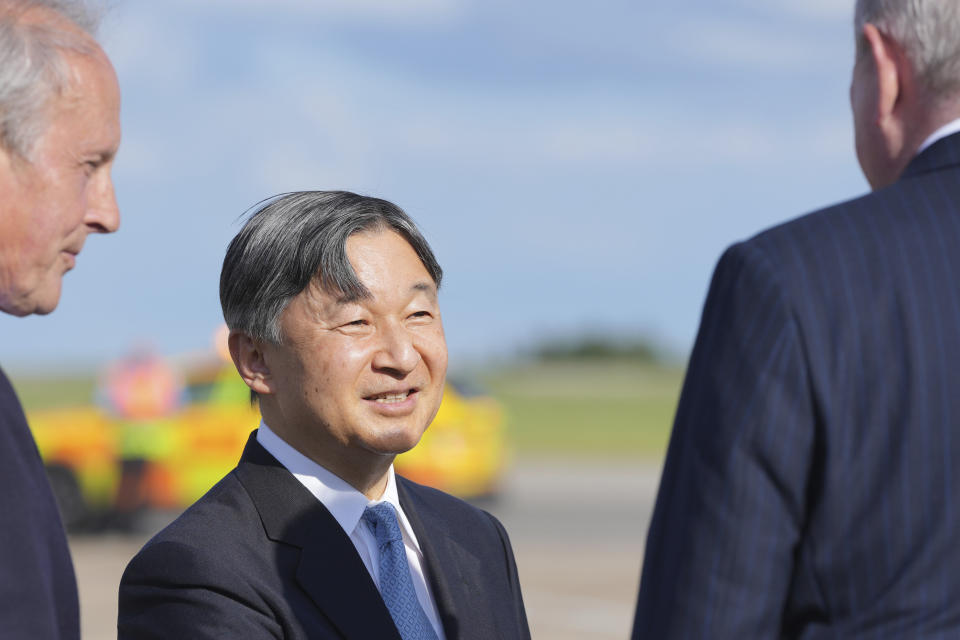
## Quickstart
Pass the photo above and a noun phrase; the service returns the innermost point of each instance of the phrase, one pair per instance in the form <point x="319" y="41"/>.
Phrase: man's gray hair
<point x="929" y="32"/>
<point x="295" y="239"/>
<point x="32" y="67"/>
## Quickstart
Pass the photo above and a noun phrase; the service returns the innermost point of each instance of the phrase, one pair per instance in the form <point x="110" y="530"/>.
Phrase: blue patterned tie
<point x="396" y="586"/>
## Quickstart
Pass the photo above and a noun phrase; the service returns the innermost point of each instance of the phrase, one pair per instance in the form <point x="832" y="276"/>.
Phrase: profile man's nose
<point x="103" y="214"/>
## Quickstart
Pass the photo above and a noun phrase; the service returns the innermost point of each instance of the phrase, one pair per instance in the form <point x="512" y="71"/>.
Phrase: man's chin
<point x="30" y="305"/>
<point x="393" y="444"/>
<point x="46" y="304"/>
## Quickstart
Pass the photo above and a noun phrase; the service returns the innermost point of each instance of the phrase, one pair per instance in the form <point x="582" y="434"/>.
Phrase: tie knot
<point x="383" y="519"/>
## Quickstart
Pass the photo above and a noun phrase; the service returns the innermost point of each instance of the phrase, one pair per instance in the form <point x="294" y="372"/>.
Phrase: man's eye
<point x="421" y="314"/>
<point x="356" y="325"/>
<point x="92" y="166"/>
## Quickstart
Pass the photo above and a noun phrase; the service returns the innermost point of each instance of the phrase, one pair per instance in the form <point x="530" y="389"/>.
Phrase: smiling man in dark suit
<point x="811" y="483"/>
<point x="331" y="300"/>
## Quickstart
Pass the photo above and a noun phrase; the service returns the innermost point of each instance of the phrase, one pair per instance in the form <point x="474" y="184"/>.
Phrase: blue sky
<point x="578" y="167"/>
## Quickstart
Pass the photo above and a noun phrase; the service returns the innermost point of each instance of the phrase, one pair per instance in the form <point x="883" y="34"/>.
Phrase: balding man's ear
<point x="894" y="75"/>
<point x="248" y="357"/>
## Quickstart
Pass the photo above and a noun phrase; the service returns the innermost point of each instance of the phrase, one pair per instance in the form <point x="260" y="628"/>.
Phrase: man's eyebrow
<point x="429" y="288"/>
<point x="426" y="287"/>
<point x="102" y="156"/>
<point x="350" y="298"/>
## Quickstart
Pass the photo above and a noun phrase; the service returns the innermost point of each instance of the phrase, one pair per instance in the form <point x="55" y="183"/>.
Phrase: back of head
<point x="928" y="31"/>
<point x="34" y="35"/>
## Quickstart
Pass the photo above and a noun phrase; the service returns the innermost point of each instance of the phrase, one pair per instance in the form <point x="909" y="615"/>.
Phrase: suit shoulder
<point x="796" y="252"/>
<point x="815" y="222"/>
<point x="222" y="511"/>
<point x="203" y="544"/>
<point x="867" y="223"/>
<point x="207" y="574"/>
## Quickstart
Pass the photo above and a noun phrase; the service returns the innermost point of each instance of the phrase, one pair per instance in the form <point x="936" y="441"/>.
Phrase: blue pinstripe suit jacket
<point x="812" y="483"/>
<point x="38" y="588"/>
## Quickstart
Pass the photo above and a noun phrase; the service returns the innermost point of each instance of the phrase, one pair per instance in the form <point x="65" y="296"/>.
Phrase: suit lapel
<point x="451" y="569"/>
<point x="330" y="570"/>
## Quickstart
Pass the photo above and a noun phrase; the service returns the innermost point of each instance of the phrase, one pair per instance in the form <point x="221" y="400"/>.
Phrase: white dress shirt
<point x="347" y="505"/>
<point x="948" y="129"/>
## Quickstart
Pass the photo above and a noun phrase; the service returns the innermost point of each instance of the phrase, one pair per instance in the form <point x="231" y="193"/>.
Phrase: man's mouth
<point x="391" y="397"/>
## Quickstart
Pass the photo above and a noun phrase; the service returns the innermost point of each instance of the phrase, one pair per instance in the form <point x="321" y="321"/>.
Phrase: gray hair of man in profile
<point x="928" y="31"/>
<point x="32" y="66"/>
<point x="295" y="239"/>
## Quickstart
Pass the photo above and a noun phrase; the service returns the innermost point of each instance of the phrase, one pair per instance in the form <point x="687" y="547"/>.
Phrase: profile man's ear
<point x="248" y="357"/>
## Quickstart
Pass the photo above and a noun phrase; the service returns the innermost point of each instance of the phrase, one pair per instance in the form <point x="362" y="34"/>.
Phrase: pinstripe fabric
<point x="38" y="588"/>
<point x="809" y="486"/>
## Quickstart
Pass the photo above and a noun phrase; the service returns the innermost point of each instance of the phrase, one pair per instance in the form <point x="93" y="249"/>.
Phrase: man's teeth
<point x="393" y="397"/>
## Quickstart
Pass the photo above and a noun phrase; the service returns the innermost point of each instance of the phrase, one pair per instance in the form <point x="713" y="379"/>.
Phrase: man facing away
<point x="812" y="483"/>
<point x="331" y="300"/>
<point x="59" y="131"/>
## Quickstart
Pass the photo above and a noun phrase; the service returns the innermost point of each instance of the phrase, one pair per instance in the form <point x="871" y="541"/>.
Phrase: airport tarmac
<point x="577" y="528"/>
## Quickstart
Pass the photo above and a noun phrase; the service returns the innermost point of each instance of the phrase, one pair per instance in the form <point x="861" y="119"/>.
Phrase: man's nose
<point x="398" y="354"/>
<point x="102" y="215"/>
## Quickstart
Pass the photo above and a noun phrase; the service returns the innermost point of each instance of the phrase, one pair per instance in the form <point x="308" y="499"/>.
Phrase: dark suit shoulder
<point x="210" y="564"/>
<point x="221" y="509"/>
<point x="890" y="225"/>
<point x="806" y="239"/>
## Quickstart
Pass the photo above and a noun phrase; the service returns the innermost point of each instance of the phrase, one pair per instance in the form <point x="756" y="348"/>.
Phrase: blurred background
<point x="578" y="169"/>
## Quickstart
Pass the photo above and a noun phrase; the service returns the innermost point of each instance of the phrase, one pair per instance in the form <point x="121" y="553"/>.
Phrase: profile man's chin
<point x="47" y="303"/>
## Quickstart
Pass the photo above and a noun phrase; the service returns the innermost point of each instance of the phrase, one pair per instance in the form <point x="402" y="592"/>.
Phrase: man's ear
<point x="895" y="86"/>
<point x="248" y="357"/>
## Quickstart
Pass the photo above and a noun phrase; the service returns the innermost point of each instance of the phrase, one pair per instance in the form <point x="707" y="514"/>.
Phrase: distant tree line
<point x="598" y="347"/>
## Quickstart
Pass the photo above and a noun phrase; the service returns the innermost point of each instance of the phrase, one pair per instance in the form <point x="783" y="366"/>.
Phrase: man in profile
<point x="332" y="303"/>
<point x="59" y="131"/>
<point x="811" y="483"/>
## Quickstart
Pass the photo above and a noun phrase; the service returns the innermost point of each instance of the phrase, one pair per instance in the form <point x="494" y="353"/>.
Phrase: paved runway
<point x="577" y="529"/>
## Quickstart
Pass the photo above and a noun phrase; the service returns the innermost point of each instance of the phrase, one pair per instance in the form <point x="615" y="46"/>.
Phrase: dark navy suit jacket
<point x="38" y="589"/>
<point x="259" y="557"/>
<point x="812" y="483"/>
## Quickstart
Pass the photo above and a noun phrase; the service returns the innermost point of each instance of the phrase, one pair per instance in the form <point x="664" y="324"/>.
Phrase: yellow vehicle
<point x="184" y="453"/>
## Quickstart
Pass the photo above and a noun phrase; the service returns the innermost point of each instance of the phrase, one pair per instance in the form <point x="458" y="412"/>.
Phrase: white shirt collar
<point x="344" y="502"/>
<point x="948" y="129"/>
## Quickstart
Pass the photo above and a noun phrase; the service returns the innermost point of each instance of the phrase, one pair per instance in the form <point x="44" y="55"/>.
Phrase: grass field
<point x="575" y="408"/>
<point x="54" y="392"/>
<point x="591" y="408"/>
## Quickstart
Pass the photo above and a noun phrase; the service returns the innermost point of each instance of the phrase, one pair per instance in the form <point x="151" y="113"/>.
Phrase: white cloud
<point x="328" y="117"/>
<point x="148" y="42"/>
<point x="827" y="10"/>
<point x="397" y="12"/>
<point x="749" y="46"/>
